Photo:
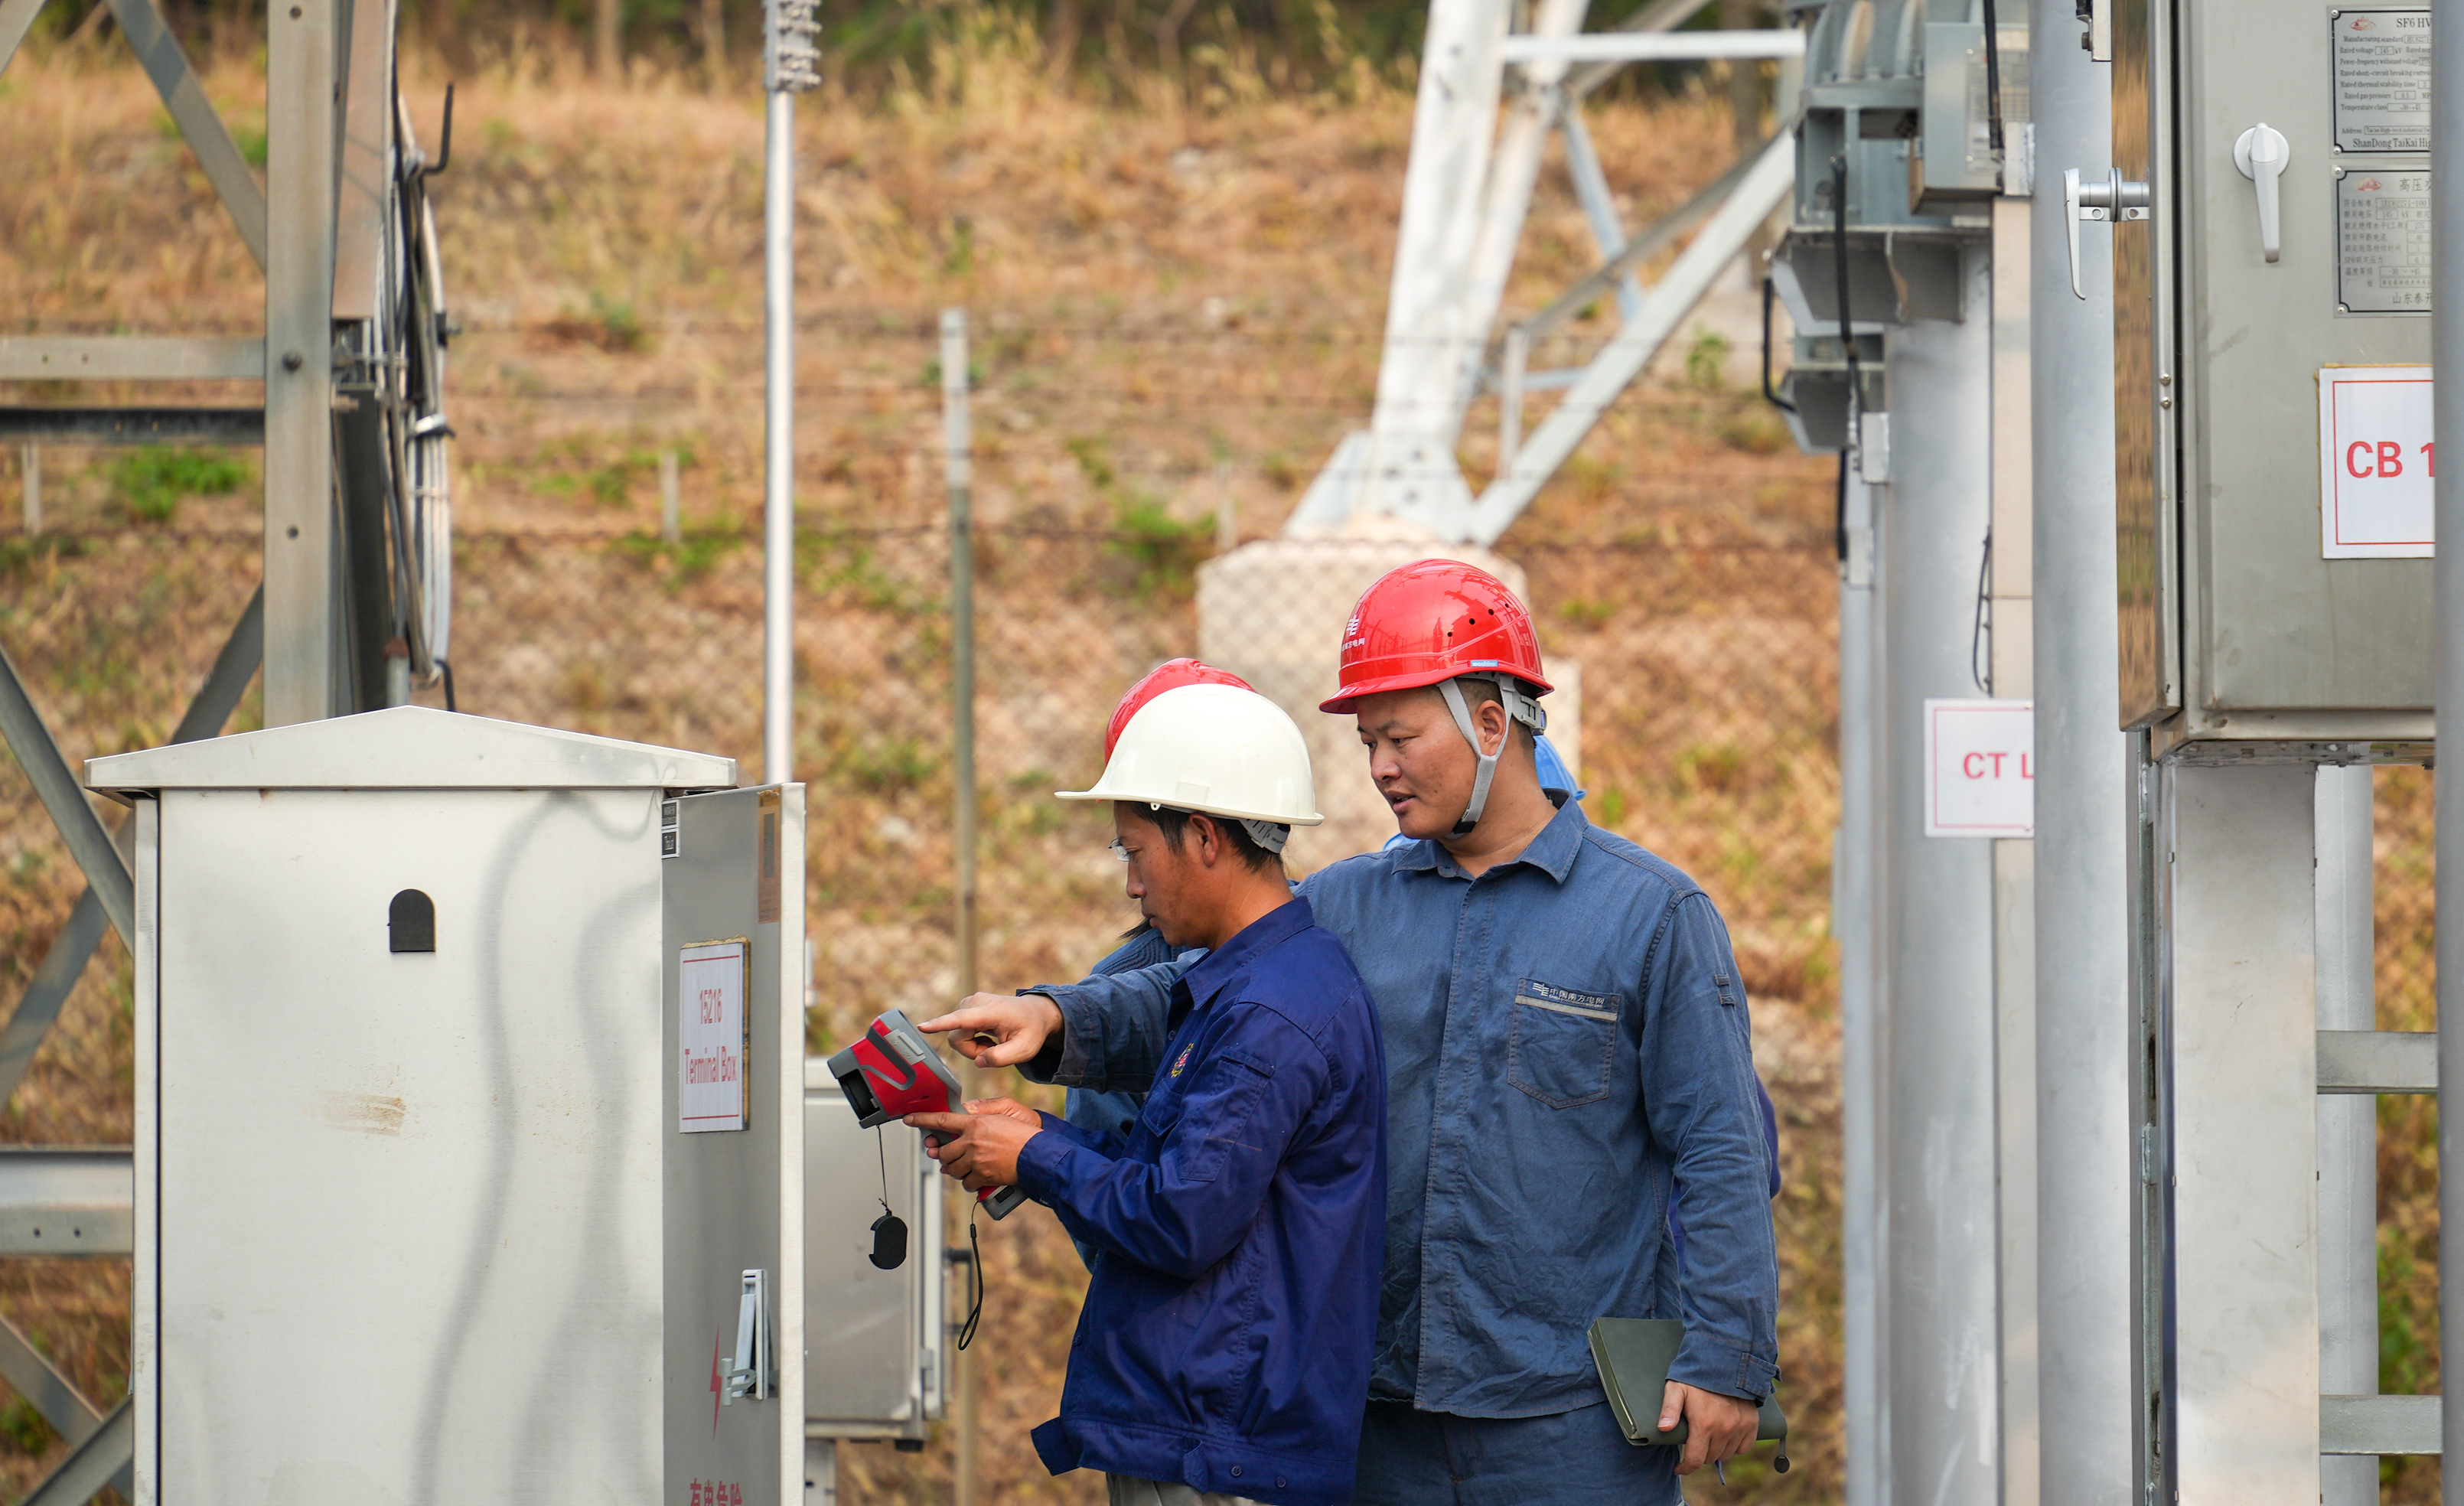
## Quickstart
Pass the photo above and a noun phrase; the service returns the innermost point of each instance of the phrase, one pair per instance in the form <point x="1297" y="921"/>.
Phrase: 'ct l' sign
<point x="1980" y="767"/>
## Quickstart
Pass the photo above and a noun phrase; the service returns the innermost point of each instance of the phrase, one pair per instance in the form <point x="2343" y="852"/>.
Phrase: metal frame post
<point x="2349" y="1139"/>
<point x="2447" y="235"/>
<point x="2009" y="626"/>
<point x="2085" y="1173"/>
<point x="2240" y="967"/>
<point x="2447" y="300"/>
<point x="778" y="441"/>
<point x="959" y="473"/>
<point x="1859" y="894"/>
<point x="301" y="141"/>
<point x="1943" y="1245"/>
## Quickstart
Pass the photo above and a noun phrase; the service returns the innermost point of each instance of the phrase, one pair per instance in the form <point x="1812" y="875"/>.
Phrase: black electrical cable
<point x="447" y="670"/>
<point x="1980" y="638"/>
<point x="1769" y="396"/>
<point x="1847" y="343"/>
<point x="975" y="1284"/>
<point x="1992" y="80"/>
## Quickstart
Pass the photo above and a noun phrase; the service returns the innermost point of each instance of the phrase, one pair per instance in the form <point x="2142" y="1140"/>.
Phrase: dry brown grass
<point x="1162" y="298"/>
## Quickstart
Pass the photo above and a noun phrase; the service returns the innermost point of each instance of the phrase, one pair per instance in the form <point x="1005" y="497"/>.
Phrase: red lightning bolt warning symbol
<point x="715" y="1339"/>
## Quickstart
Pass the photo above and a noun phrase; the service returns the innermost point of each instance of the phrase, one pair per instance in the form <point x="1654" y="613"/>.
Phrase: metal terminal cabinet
<point x="413" y="1220"/>
<point x="2236" y="621"/>
<point x="880" y="1366"/>
<point x="2273" y="461"/>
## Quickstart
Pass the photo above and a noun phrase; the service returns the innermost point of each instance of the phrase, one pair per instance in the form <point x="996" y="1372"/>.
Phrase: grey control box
<point x="2272" y="345"/>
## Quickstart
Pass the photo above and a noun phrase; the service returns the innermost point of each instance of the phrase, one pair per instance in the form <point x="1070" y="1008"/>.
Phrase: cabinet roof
<point x="410" y="748"/>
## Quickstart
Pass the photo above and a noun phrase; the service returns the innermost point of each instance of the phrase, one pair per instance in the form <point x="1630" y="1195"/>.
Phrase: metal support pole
<point x="1857" y="912"/>
<point x="671" y="510"/>
<point x="2240" y="967"/>
<point x="2010" y="636"/>
<point x="778" y="443"/>
<point x="1942" y="1158"/>
<point x="32" y="478"/>
<point x="2085" y="1168"/>
<point x="2447" y="345"/>
<point x="300" y="145"/>
<point x="2348" y="1140"/>
<point x="959" y="470"/>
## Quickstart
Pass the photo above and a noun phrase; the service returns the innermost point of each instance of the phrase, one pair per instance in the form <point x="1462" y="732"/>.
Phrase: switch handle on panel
<point x="2261" y="153"/>
<point x="754" y="1373"/>
<point x="2113" y="199"/>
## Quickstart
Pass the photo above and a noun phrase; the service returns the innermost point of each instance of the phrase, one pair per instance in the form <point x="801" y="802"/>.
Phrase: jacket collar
<point x="1552" y="852"/>
<point x="1233" y="958"/>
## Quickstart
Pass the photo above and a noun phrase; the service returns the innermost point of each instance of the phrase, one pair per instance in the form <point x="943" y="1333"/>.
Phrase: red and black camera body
<point x="891" y="1071"/>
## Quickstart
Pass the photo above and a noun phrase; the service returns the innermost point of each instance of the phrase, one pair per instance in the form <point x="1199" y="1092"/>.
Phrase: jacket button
<point x="1236" y="1471"/>
<point x="1279" y="1482"/>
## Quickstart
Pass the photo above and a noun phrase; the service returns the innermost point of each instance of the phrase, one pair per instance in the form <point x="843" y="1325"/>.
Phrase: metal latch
<point x="754" y="1373"/>
<point x="2113" y="199"/>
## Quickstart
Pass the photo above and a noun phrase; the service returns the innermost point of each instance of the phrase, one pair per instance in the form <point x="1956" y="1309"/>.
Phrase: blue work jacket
<point x="1566" y="1039"/>
<point x="1225" y="1341"/>
<point x="1118" y="1112"/>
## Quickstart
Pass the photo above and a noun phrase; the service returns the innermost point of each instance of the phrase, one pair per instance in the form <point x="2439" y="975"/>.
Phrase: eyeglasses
<point x="1116" y="848"/>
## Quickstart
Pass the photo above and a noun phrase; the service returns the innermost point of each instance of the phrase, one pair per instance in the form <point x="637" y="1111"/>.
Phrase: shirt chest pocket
<point x="1561" y="1045"/>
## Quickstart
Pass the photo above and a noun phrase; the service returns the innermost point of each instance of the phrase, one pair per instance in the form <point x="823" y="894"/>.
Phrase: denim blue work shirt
<point x="1226" y="1338"/>
<point x="1566" y="1039"/>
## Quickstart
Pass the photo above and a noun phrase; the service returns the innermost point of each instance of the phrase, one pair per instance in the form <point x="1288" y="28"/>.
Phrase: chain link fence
<point x="1705" y="729"/>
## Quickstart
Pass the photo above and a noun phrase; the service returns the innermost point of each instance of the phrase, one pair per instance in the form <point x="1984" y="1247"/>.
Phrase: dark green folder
<point x="1634" y="1354"/>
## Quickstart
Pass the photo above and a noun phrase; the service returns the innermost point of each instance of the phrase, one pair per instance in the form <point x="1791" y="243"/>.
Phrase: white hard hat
<point x="1216" y="748"/>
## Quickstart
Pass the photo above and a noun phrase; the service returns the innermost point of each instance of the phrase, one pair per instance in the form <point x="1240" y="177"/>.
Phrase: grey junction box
<point x="879" y="1338"/>
<point x="469" y="1133"/>
<point x="2272" y="352"/>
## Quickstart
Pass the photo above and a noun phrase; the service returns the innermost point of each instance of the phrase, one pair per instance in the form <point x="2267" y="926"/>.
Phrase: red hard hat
<point x="1431" y="621"/>
<point x="1170" y="675"/>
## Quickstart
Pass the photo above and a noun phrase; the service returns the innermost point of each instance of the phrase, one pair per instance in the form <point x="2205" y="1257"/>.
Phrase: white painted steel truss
<point x="1466" y="192"/>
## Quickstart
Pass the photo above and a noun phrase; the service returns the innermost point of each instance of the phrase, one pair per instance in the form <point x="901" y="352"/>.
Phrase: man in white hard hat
<point x="1568" y="1053"/>
<point x="1239" y="1223"/>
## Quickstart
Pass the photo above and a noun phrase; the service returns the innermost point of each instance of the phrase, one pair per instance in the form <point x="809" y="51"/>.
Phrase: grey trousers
<point x="1128" y="1489"/>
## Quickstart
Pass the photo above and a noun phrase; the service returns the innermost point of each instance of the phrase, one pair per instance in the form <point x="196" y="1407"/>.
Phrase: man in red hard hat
<point x="1567" y="1051"/>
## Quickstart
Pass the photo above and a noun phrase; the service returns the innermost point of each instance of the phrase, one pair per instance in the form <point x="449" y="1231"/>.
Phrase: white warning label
<point x="2377" y="455"/>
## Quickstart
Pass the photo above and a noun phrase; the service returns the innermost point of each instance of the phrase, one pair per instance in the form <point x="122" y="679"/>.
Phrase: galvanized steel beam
<point x="132" y="426"/>
<point x="1666" y="47"/>
<point x="177" y="83"/>
<point x="301" y="145"/>
<point x="2378" y="1424"/>
<point x="57" y="790"/>
<point x="132" y="358"/>
<point x="65" y="960"/>
<point x="67" y="1200"/>
<point x="34" y="1377"/>
<point x="16" y="19"/>
<point x="101" y="1459"/>
<point x="1664" y="306"/>
<point x="2086" y="1154"/>
<point x="2446" y="344"/>
<point x="2378" y="1061"/>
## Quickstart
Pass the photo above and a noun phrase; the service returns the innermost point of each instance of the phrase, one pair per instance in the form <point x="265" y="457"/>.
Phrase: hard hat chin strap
<point x="1271" y="835"/>
<point x="1488" y="772"/>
